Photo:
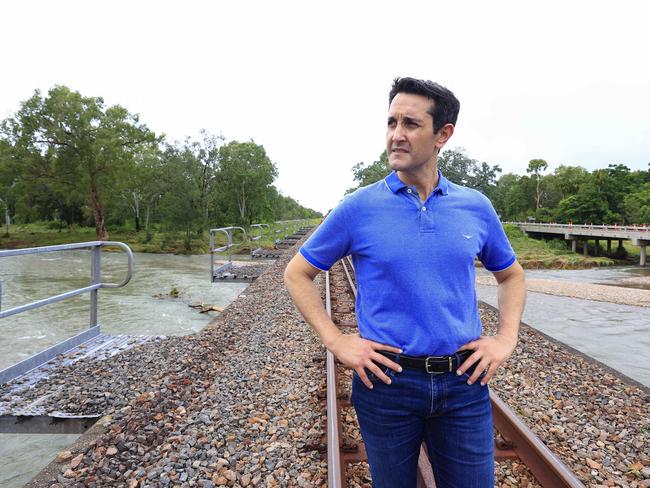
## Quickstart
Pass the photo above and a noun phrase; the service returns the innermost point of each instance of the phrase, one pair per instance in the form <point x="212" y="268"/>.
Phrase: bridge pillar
<point x="584" y="247"/>
<point x="642" y="255"/>
<point x="620" y="244"/>
<point x="574" y="245"/>
<point x="609" y="247"/>
<point x="596" y="247"/>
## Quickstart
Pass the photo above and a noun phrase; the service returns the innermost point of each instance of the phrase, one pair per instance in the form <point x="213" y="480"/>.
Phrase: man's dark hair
<point x="445" y="106"/>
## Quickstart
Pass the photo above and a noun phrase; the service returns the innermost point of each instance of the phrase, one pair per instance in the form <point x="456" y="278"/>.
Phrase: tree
<point x="458" y="167"/>
<point x="244" y="179"/>
<point x="637" y="206"/>
<point x="536" y="167"/>
<point x="74" y="144"/>
<point x="365" y="175"/>
<point x="8" y="178"/>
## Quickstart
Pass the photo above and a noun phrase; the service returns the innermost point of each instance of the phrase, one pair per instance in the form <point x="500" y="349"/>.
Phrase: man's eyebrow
<point x="407" y="118"/>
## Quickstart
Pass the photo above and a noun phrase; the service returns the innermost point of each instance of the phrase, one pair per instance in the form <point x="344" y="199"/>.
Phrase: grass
<point x="152" y="241"/>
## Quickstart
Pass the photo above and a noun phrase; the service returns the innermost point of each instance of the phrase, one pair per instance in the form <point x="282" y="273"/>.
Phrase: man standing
<point x="421" y="366"/>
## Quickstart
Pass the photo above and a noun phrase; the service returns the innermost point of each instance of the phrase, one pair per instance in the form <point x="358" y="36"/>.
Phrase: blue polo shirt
<point x="414" y="261"/>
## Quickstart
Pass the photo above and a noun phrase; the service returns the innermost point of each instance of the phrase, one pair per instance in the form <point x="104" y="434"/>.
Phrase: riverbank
<point x="584" y="291"/>
<point x="531" y="253"/>
<point x="148" y="241"/>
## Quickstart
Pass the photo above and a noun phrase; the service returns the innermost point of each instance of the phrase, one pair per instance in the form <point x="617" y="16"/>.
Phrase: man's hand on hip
<point x="489" y="353"/>
<point x="361" y="355"/>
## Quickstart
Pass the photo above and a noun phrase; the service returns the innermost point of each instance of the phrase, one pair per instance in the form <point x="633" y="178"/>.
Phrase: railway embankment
<point x="239" y="404"/>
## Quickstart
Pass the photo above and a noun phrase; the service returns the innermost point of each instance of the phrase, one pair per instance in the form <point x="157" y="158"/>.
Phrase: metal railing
<point x="254" y="229"/>
<point x="570" y="226"/>
<point x="95" y="284"/>
<point x="228" y="231"/>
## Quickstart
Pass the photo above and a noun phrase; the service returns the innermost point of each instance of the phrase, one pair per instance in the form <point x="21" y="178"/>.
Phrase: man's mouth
<point x="399" y="150"/>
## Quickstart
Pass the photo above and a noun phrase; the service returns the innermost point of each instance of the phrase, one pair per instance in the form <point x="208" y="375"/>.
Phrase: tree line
<point x="612" y="195"/>
<point x="71" y="160"/>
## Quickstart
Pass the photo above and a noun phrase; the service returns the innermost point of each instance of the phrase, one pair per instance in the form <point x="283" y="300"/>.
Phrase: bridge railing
<point x="612" y="227"/>
<point x="95" y="284"/>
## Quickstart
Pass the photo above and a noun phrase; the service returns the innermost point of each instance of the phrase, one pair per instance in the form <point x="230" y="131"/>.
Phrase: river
<point x="143" y="306"/>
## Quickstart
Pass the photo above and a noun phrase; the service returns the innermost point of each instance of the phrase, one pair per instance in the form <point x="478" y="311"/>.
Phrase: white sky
<point x="565" y="81"/>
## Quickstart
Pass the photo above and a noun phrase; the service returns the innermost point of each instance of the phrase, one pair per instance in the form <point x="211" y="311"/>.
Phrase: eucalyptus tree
<point x="245" y="179"/>
<point x="75" y="144"/>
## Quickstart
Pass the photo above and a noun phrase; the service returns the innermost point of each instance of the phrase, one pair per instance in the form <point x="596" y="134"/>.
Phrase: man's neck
<point x="425" y="181"/>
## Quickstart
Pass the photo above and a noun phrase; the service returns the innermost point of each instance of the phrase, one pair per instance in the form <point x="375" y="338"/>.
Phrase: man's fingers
<point x="468" y="346"/>
<point x="381" y="359"/>
<point x="379" y="374"/>
<point x="489" y="375"/>
<point x="364" y="377"/>
<point x="480" y="368"/>
<point x="377" y="346"/>
<point x="468" y="363"/>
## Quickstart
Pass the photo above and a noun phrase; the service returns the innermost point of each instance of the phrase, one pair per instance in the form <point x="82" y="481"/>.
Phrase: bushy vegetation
<point x="610" y="195"/>
<point x="71" y="162"/>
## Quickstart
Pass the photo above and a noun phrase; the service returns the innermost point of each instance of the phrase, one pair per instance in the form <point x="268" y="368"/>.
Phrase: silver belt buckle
<point x="426" y="365"/>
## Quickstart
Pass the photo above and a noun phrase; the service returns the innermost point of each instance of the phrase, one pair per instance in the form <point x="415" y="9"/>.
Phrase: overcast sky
<point x="566" y="81"/>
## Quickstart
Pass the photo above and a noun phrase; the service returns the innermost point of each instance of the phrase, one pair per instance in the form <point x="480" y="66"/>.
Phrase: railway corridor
<point x="241" y="404"/>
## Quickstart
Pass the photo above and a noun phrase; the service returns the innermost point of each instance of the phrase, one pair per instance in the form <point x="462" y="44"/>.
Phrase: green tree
<point x="458" y="167"/>
<point x="245" y="180"/>
<point x="637" y="206"/>
<point x="536" y="167"/>
<point x="76" y="145"/>
<point x="365" y="175"/>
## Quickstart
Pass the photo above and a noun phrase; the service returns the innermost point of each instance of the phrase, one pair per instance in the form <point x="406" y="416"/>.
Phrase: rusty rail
<point x="519" y="442"/>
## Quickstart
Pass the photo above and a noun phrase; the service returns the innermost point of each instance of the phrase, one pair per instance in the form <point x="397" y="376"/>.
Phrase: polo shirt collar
<point x="395" y="184"/>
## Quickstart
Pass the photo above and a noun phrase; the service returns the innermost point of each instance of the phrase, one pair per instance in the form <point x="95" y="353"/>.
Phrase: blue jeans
<point x="452" y="417"/>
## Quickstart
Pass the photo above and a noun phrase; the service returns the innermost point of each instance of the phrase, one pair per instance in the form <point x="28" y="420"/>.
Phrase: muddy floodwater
<point x="617" y="335"/>
<point x="144" y="306"/>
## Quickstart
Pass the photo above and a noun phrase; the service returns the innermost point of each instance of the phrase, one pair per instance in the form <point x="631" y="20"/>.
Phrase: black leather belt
<point x="430" y="364"/>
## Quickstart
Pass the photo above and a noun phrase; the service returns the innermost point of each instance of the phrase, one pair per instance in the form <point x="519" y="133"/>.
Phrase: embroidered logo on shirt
<point x="467" y="237"/>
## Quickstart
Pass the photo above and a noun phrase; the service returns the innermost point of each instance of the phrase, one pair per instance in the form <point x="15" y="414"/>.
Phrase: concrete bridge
<point x="639" y="235"/>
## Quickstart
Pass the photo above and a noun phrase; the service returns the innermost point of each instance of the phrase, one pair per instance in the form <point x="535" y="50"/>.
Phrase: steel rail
<point x="335" y="469"/>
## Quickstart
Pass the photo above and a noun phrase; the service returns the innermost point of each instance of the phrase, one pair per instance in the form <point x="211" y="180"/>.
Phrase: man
<point x="421" y="366"/>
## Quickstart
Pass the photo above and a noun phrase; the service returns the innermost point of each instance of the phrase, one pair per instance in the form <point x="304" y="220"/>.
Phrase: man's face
<point x="410" y="141"/>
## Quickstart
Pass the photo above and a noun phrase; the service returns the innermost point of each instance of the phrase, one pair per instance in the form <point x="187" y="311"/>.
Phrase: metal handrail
<point x="253" y="237"/>
<point x="228" y="231"/>
<point x="22" y="367"/>
<point x="612" y="227"/>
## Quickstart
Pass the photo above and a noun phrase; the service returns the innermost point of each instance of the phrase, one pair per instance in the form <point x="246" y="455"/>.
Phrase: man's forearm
<point x="511" y="293"/>
<point x="307" y="298"/>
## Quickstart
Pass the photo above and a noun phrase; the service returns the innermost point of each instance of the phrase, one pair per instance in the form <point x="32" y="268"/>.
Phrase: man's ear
<point x="443" y="135"/>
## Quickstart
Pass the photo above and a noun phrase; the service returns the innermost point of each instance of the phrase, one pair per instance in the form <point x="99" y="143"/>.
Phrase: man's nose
<point x="398" y="133"/>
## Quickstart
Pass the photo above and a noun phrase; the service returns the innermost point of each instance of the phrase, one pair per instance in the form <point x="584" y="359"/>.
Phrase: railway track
<point x="513" y="439"/>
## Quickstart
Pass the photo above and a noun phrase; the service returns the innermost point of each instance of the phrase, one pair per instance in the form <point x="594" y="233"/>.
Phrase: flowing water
<point x="617" y="335"/>
<point x="144" y="306"/>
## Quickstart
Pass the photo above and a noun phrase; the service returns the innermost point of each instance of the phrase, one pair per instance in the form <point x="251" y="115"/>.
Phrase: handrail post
<point x="95" y="279"/>
<point x="211" y="255"/>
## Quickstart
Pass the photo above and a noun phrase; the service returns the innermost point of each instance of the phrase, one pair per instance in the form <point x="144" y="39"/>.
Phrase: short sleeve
<point x="496" y="253"/>
<point x="330" y="241"/>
